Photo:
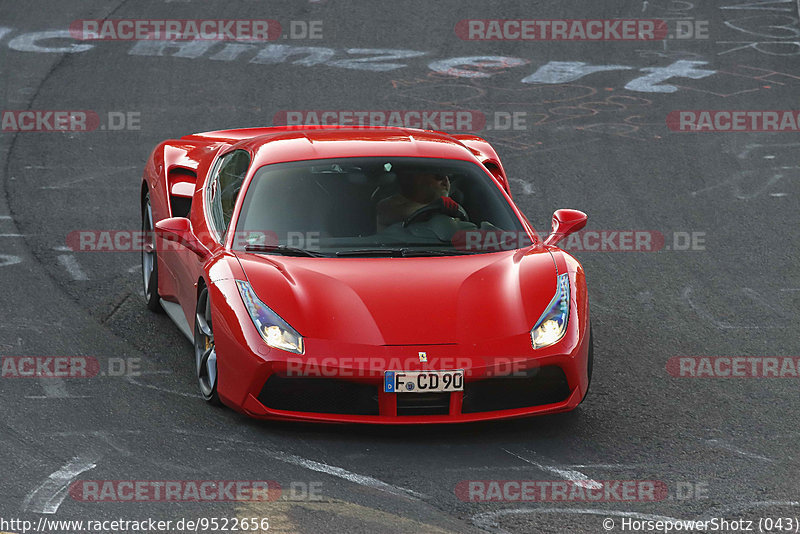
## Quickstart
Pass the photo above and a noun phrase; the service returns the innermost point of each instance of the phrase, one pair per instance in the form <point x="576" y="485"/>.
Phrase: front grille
<point x="538" y="386"/>
<point x="423" y="403"/>
<point x="319" y="395"/>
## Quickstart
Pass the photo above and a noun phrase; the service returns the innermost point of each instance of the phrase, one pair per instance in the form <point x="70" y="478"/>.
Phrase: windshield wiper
<point x="398" y="252"/>
<point x="283" y="250"/>
<point x="408" y="252"/>
<point x="393" y="252"/>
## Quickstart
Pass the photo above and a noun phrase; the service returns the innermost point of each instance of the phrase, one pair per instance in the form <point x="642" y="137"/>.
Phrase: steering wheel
<point x="445" y="205"/>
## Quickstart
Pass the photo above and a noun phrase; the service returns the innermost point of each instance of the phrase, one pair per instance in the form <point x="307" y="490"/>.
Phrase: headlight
<point x="276" y="332"/>
<point x="552" y="325"/>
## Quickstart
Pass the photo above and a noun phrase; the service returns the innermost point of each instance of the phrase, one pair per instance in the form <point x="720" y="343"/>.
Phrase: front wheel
<point x="589" y="363"/>
<point x="149" y="259"/>
<point x="205" y="352"/>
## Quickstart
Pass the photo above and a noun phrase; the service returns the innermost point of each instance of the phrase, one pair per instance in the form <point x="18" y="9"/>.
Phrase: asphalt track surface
<point x="589" y="143"/>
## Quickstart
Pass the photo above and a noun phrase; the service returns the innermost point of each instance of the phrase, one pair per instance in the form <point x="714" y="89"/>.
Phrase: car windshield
<point x="375" y="206"/>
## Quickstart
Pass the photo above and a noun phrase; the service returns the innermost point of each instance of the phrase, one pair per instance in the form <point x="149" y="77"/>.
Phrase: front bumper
<point x="323" y="385"/>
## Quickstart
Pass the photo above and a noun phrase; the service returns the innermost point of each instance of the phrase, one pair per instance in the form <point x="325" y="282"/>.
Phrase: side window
<point x="225" y="186"/>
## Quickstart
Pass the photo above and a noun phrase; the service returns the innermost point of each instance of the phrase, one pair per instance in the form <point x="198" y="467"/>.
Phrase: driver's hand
<point x="450" y="206"/>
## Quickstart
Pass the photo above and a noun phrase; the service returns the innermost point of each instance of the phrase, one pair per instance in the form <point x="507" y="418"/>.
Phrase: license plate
<point x="423" y="381"/>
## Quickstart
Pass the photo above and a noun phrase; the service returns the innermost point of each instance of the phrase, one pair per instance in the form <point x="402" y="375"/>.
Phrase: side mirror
<point x="565" y="222"/>
<point x="179" y="229"/>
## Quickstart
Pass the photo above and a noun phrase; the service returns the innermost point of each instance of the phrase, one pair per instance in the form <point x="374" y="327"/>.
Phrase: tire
<point x="205" y="352"/>
<point x="589" y="362"/>
<point x="149" y="259"/>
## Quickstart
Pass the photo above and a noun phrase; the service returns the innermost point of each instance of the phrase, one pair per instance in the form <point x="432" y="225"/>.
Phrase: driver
<point x="417" y="189"/>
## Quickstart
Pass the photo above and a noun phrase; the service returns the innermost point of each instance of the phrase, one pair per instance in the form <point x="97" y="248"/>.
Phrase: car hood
<point x="406" y="301"/>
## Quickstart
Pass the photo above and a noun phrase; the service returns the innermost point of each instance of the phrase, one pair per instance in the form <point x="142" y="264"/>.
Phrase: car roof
<point x="297" y="143"/>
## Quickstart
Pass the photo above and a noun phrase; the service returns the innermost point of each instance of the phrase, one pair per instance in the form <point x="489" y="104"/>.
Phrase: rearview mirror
<point x="179" y="229"/>
<point x="565" y="222"/>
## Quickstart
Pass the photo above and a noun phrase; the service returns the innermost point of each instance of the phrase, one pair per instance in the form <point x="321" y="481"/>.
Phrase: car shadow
<point x="552" y="426"/>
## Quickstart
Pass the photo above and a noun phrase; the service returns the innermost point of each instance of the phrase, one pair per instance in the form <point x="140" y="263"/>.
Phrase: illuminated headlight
<point x="276" y="332"/>
<point x="552" y="325"/>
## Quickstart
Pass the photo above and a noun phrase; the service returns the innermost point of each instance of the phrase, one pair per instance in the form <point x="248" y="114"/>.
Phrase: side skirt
<point x="175" y="312"/>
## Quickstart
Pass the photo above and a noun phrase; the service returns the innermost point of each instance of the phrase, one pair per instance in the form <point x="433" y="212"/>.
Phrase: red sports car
<point x="373" y="275"/>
